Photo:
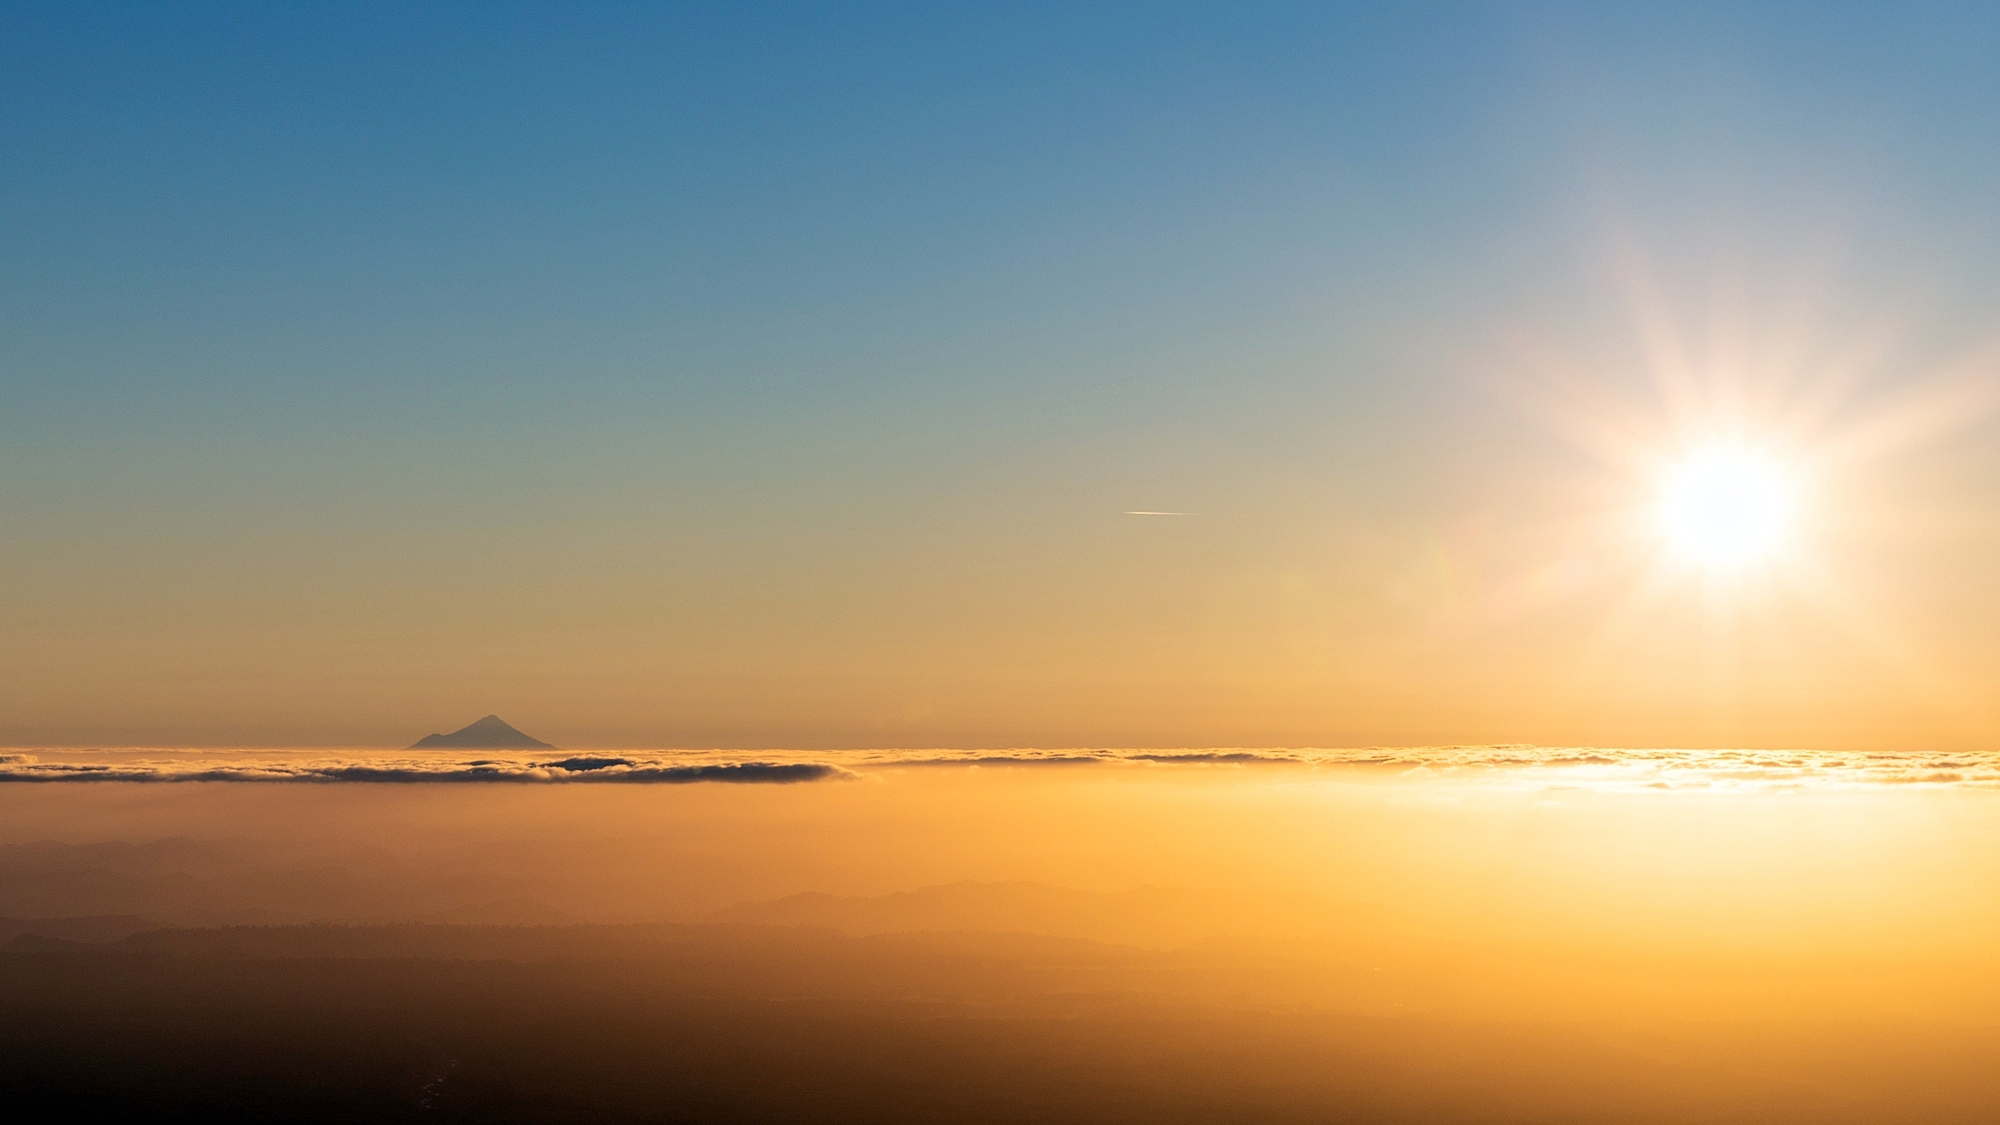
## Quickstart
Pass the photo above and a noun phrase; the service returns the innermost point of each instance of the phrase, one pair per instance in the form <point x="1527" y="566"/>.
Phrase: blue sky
<point x="354" y="350"/>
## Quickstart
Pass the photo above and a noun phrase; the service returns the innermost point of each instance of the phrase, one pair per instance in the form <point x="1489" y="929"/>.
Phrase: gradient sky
<point x="780" y="376"/>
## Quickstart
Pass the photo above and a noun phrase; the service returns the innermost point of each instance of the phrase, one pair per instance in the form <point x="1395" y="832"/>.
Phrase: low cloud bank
<point x="21" y="768"/>
<point x="1594" y="768"/>
<point x="1528" y="766"/>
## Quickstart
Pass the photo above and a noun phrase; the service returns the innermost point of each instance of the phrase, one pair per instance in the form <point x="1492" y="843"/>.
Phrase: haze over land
<point x="1436" y="935"/>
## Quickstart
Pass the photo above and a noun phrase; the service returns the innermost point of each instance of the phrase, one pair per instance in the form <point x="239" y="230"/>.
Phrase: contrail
<point x="1159" y="513"/>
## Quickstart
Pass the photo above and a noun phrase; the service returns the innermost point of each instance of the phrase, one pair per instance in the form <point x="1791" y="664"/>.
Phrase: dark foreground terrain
<point x="732" y="1023"/>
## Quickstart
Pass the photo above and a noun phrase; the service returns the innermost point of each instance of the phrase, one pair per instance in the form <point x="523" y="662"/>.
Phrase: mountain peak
<point x="489" y="733"/>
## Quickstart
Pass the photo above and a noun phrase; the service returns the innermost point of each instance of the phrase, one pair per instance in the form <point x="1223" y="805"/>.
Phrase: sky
<point x="783" y="376"/>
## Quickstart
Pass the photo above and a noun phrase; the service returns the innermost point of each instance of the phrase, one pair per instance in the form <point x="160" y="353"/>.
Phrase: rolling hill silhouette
<point x="489" y="733"/>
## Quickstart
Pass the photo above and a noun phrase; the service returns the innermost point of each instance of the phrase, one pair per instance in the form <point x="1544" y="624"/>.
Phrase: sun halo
<point x="1726" y="507"/>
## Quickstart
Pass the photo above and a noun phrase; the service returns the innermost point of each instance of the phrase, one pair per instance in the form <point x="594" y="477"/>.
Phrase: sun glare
<point x="1726" y="507"/>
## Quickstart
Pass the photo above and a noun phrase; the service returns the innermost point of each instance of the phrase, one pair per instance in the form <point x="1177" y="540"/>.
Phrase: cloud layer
<point x="568" y="771"/>
<point x="1519" y="766"/>
<point x="1535" y="766"/>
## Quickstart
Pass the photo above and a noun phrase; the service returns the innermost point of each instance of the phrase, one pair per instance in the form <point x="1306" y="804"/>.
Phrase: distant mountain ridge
<point x="489" y="733"/>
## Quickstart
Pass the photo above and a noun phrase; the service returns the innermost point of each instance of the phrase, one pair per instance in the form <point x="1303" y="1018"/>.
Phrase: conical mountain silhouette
<point x="489" y="733"/>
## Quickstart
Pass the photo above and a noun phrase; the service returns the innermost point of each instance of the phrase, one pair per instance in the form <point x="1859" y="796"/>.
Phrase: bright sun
<point x="1726" y="507"/>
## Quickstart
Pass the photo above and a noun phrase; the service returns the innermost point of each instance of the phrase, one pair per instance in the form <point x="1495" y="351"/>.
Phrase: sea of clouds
<point x="1559" y="767"/>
